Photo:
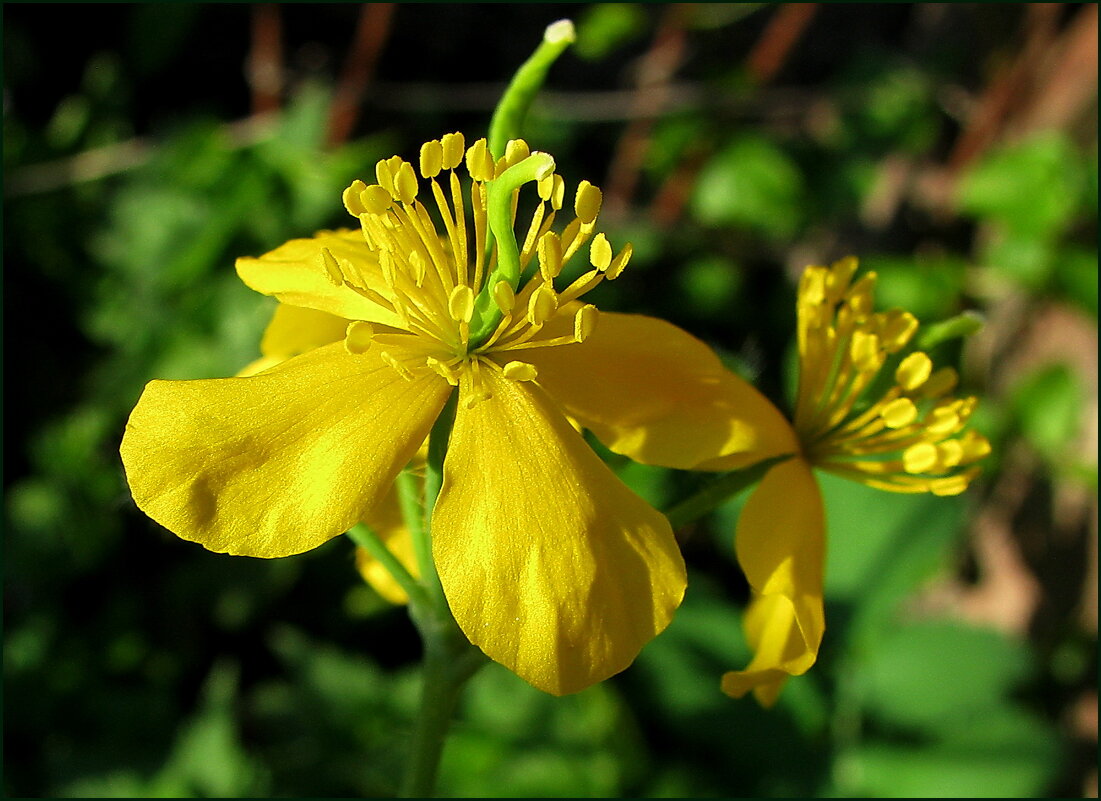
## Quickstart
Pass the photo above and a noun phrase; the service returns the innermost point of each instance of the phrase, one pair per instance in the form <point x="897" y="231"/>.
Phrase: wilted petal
<point x="551" y="565"/>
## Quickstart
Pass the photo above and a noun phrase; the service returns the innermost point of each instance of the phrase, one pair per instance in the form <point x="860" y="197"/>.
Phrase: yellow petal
<point x="386" y="521"/>
<point x="780" y="546"/>
<point x="296" y="273"/>
<point x="294" y="330"/>
<point x="551" y="565"/>
<point x="651" y="391"/>
<point x="276" y="463"/>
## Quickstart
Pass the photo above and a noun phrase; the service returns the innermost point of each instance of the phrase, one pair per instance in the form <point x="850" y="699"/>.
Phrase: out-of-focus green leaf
<point x="1034" y="188"/>
<point x="880" y="546"/>
<point x="710" y="286"/>
<point x="933" y="675"/>
<point x="751" y="183"/>
<point x="1048" y="406"/>
<point x="1076" y="277"/>
<point x="1003" y="754"/>
<point x="928" y="287"/>
<point x="602" y="27"/>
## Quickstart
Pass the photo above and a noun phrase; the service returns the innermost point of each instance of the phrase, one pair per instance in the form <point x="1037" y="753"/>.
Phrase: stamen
<point x="358" y="336"/>
<point x="600" y="252"/>
<point x="520" y="371"/>
<point x="504" y="296"/>
<point x="332" y="267"/>
<point x="351" y="198"/>
<point x="461" y="303"/>
<point x="542" y="305"/>
<point x="431" y="159"/>
<point x="913" y="371"/>
<point x="584" y="322"/>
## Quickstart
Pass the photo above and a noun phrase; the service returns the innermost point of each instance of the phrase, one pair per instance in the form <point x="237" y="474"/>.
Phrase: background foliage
<point x="952" y="147"/>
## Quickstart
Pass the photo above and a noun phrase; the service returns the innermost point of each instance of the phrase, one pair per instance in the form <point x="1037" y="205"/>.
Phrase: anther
<point x="460" y="305"/>
<point x="919" y="458"/>
<point x="351" y="198"/>
<point x="332" y="267"/>
<point x="899" y="412"/>
<point x="913" y="371"/>
<point x="600" y="252"/>
<point x="619" y="262"/>
<point x="520" y="371"/>
<point x="405" y="183"/>
<point x="587" y="202"/>
<point x="375" y="199"/>
<point x="401" y="369"/>
<point x="358" y="336"/>
<point x="504" y="296"/>
<point x="549" y="251"/>
<point x="542" y="305"/>
<point x="584" y="322"/>
<point x="431" y="158"/>
<point x="516" y="151"/>
<point x="454" y="145"/>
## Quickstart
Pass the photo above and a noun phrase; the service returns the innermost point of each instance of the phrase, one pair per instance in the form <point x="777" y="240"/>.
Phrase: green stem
<point x="449" y="662"/>
<point x="362" y="535"/>
<point x="718" y="491"/>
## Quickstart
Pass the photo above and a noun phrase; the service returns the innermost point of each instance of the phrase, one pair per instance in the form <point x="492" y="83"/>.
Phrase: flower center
<point x="451" y="267"/>
<point x="911" y="437"/>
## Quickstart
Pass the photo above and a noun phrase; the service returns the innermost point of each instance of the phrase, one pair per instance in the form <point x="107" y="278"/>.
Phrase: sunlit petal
<point x="550" y="564"/>
<point x="295" y="273"/>
<point x="276" y="463"/>
<point x="780" y="545"/>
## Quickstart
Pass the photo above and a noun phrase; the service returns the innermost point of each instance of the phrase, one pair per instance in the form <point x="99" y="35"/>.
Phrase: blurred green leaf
<point x="1003" y="754"/>
<point x="1076" y="277"/>
<point x="602" y="27"/>
<point x="933" y="675"/>
<point x="928" y="287"/>
<point x="751" y="183"/>
<point x="1048" y="404"/>
<point x="1034" y="188"/>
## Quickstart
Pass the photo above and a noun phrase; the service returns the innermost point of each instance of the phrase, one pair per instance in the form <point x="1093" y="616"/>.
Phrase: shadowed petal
<point x="780" y="545"/>
<point x="551" y="565"/>
<point x="652" y="391"/>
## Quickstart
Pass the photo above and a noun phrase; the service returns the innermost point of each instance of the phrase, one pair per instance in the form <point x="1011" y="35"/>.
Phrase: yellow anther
<point x="545" y="187"/>
<point x="331" y="267"/>
<point x="384" y="175"/>
<point x="558" y="192"/>
<point x="950" y="485"/>
<point x="405" y="183"/>
<point x="584" y="322"/>
<point x="504" y="296"/>
<point x="478" y="161"/>
<point x="358" y="336"/>
<point x="859" y="296"/>
<point x="460" y="305"/>
<point x="600" y="252"/>
<point x="516" y="151"/>
<point x="919" y="458"/>
<point x="549" y="251"/>
<point x="454" y="145"/>
<point x="812" y="286"/>
<point x="864" y="352"/>
<point x="949" y="453"/>
<point x="587" y="202"/>
<point x="899" y="412"/>
<point x="375" y="199"/>
<point x="943" y="419"/>
<point x="940" y="383"/>
<point x="351" y="198"/>
<point x="520" y="371"/>
<point x="975" y="446"/>
<point x="619" y="262"/>
<point x="913" y="371"/>
<point x="896" y="329"/>
<point x="431" y="158"/>
<point x="401" y="369"/>
<point x="838" y="277"/>
<point x="542" y="305"/>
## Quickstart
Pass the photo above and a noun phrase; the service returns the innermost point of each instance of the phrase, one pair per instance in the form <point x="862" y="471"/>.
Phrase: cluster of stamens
<point x="909" y="439"/>
<point x="455" y="301"/>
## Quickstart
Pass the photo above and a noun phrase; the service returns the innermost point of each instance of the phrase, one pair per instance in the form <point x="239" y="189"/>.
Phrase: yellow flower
<point x="549" y="563"/>
<point x="908" y="437"/>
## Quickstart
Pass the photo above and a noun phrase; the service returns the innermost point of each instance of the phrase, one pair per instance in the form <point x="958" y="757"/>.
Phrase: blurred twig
<point x="265" y="61"/>
<point x="780" y="36"/>
<point x="655" y="72"/>
<point x="359" y="68"/>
